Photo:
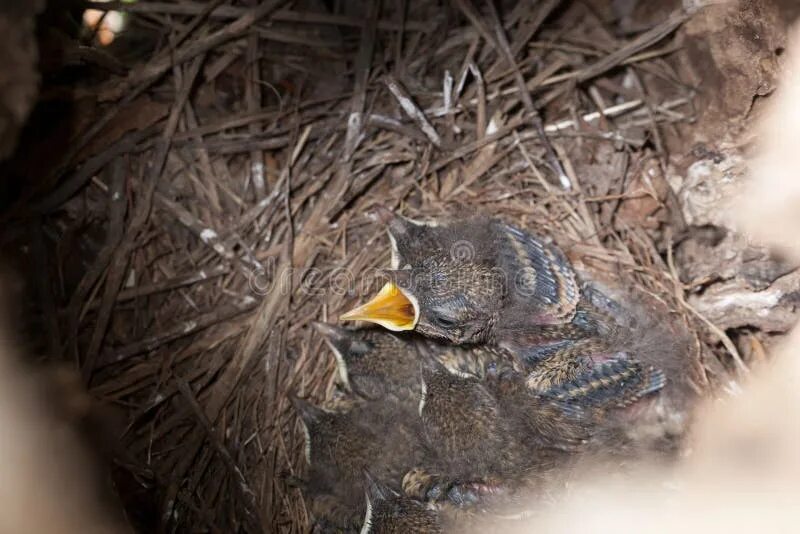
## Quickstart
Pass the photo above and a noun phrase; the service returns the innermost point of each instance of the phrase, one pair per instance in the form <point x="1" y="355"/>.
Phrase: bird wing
<point x="542" y="276"/>
<point x="615" y="383"/>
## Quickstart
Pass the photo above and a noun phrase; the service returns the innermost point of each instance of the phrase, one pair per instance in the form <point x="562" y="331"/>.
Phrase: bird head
<point x="388" y="511"/>
<point x="346" y="348"/>
<point x="377" y="491"/>
<point x="443" y="282"/>
<point x="373" y="363"/>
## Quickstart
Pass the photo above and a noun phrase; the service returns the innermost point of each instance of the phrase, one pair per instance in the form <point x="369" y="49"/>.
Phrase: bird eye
<point x="444" y="322"/>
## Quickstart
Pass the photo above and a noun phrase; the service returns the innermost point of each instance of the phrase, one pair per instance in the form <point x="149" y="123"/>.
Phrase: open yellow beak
<point x="391" y="308"/>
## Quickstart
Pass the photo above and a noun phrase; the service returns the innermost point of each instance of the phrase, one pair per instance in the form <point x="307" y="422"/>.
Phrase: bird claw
<point x="419" y="483"/>
<point x="462" y="496"/>
<point x="471" y="493"/>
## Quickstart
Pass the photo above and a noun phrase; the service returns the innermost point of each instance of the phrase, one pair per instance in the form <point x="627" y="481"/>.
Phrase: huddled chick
<point x="482" y="281"/>
<point x="374" y="364"/>
<point x="519" y="366"/>
<point x="341" y="445"/>
<point x="390" y="512"/>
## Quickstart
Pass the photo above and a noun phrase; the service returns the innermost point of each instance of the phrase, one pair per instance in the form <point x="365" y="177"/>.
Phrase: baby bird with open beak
<point x="471" y="281"/>
<point x="480" y="280"/>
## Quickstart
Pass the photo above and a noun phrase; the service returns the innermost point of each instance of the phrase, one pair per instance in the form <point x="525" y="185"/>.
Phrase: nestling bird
<point x="340" y="446"/>
<point x="488" y="435"/>
<point x="389" y="512"/>
<point x="480" y="280"/>
<point x="473" y="281"/>
<point x="637" y="376"/>
<point x="463" y="423"/>
<point x="565" y="416"/>
<point x="375" y="364"/>
<point x="486" y="430"/>
<point x="380" y="365"/>
<point x="493" y="434"/>
<point x="656" y="338"/>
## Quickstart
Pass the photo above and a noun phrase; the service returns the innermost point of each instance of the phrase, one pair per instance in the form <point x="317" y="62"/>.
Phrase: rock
<point x="710" y="188"/>
<point x="733" y="304"/>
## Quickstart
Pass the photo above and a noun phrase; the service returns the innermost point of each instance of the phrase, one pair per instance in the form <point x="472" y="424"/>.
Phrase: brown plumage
<point x="649" y="334"/>
<point x="340" y="446"/>
<point x="495" y="428"/>
<point x="376" y="364"/>
<point x="490" y="436"/>
<point x="480" y="280"/>
<point x="475" y="361"/>
<point x="464" y="424"/>
<point x="471" y="277"/>
<point x="548" y="423"/>
<point x="495" y="435"/>
<point x="389" y="512"/>
<point x="616" y="383"/>
<point x="584" y="373"/>
<point x="419" y="481"/>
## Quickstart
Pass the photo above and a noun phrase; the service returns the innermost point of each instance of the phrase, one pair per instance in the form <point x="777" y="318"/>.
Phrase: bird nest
<point x="220" y="193"/>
